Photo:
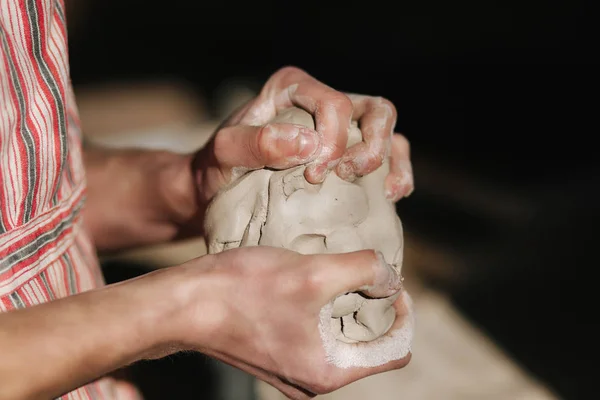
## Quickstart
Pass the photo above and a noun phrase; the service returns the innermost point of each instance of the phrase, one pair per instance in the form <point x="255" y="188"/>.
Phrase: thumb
<point x="362" y="271"/>
<point x="275" y="146"/>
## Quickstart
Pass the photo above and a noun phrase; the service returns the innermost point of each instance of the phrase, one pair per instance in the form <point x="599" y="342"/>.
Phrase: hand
<point x="246" y="141"/>
<point x="257" y="308"/>
<point x="136" y="197"/>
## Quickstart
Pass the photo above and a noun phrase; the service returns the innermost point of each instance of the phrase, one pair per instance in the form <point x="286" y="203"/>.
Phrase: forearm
<point x="50" y="349"/>
<point x="137" y="197"/>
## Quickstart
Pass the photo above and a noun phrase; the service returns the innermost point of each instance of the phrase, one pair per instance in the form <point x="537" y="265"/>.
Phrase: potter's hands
<point x="246" y="141"/>
<point x="263" y="306"/>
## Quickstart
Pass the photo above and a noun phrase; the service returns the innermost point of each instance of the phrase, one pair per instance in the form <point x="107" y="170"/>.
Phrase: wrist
<point x="137" y="197"/>
<point x="161" y="306"/>
<point x="176" y="186"/>
<point x="189" y="311"/>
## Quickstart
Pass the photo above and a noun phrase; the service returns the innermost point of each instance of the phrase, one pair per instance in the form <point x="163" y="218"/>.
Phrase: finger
<point x="403" y="307"/>
<point x="364" y="271"/>
<point x="400" y="181"/>
<point x="331" y="109"/>
<point x="354" y="374"/>
<point x="273" y="145"/>
<point x="377" y="119"/>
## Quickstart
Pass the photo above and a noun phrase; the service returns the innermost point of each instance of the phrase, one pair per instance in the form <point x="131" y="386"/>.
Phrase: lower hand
<point x="257" y="308"/>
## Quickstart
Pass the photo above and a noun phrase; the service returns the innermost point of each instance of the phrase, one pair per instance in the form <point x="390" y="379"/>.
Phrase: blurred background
<point x="499" y="100"/>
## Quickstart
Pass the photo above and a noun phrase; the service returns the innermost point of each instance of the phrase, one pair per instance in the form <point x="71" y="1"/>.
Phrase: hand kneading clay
<point x="281" y="209"/>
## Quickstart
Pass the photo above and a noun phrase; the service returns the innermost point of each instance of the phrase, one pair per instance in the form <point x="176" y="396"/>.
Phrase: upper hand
<point x="246" y="141"/>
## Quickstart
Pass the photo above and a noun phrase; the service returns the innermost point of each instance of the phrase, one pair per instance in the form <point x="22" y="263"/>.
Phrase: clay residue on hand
<point x="282" y="209"/>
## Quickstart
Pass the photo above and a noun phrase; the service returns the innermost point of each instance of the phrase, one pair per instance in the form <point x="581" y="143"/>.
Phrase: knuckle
<point x="264" y="135"/>
<point x="339" y="101"/>
<point x="401" y="139"/>
<point x="400" y="142"/>
<point x="287" y="71"/>
<point x="298" y="283"/>
<point x="387" y="104"/>
<point x="314" y="280"/>
<point x="375" y="164"/>
<point x="310" y="277"/>
<point x="377" y="157"/>
<point x="263" y="148"/>
<point x="222" y="141"/>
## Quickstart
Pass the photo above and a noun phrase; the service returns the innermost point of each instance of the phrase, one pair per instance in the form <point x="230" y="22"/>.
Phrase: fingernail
<point x="394" y="194"/>
<point x="400" y="187"/>
<point x="389" y="194"/>
<point x="397" y="194"/>
<point x="308" y="143"/>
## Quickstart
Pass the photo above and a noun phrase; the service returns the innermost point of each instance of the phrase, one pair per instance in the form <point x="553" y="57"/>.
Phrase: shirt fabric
<point x="45" y="252"/>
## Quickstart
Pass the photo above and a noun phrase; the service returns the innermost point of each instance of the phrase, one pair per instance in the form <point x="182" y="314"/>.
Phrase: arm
<point x="214" y="304"/>
<point x="50" y="349"/>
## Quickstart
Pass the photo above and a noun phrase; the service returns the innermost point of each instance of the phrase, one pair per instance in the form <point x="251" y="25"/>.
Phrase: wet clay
<point x="281" y="209"/>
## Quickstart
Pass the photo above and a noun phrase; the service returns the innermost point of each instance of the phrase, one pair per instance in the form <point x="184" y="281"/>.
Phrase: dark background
<point x="502" y="93"/>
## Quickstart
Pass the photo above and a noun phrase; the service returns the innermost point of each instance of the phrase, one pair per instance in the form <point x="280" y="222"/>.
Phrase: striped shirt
<point x="45" y="252"/>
